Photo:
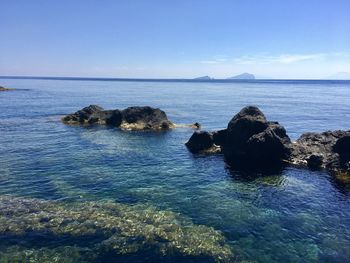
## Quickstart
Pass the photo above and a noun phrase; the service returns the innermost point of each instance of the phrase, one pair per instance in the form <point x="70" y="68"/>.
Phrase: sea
<point x="101" y="194"/>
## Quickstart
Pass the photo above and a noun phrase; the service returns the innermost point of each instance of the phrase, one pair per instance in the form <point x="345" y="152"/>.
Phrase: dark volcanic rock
<point x="315" y="161"/>
<point x="252" y="141"/>
<point x="200" y="141"/>
<point x="249" y="140"/>
<point x="85" y="115"/>
<point x="332" y="149"/>
<point x="133" y="118"/>
<point x="219" y="137"/>
<point x="141" y="118"/>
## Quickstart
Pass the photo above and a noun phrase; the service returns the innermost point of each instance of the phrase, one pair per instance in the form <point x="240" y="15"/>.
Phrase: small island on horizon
<point x="243" y="76"/>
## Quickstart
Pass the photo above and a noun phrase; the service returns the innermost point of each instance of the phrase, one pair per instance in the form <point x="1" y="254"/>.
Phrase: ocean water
<point x="99" y="194"/>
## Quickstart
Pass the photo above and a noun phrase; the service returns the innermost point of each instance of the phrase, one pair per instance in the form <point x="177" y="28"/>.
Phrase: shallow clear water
<point x="295" y="215"/>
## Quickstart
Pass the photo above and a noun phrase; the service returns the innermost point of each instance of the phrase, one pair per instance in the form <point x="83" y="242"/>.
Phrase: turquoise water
<point x="295" y="215"/>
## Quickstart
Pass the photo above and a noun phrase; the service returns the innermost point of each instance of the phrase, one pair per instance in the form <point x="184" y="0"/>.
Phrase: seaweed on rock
<point x="106" y="227"/>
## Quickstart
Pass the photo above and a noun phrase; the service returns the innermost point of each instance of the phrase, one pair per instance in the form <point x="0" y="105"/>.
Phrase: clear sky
<point x="182" y="38"/>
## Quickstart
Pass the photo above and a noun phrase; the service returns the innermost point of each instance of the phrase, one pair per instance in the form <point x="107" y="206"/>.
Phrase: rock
<point x="333" y="147"/>
<point x="133" y="118"/>
<point x="145" y="118"/>
<point x="315" y="161"/>
<point x="342" y="146"/>
<point x="200" y="141"/>
<point x="219" y="137"/>
<point x="195" y="125"/>
<point x="252" y="141"/>
<point x="86" y="115"/>
<point x="4" y="89"/>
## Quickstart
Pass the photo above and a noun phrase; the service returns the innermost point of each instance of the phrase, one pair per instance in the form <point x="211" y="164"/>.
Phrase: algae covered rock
<point x="104" y="230"/>
<point x="132" y="118"/>
<point x="145" y="118"/>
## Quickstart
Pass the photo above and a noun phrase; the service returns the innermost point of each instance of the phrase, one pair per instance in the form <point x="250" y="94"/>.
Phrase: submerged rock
<point x="132" y="118"/>
<point x="329" y="150"/>
<point x="103" y="230"/>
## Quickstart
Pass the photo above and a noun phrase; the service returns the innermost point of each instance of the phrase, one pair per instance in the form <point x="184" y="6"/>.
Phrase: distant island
<point x="243" y="76"/>
<point x="240" y="76"/>
<point x="203" y="78"/>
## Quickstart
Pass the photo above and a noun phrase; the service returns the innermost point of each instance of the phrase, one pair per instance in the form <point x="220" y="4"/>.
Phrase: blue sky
<point x="183" y="38"/>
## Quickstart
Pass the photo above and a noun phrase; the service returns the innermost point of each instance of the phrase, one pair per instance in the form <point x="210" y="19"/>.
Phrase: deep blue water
<point x="295" y="215"/>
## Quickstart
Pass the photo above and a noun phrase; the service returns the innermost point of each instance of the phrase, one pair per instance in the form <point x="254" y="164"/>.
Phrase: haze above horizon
<point x="182" y="39"/>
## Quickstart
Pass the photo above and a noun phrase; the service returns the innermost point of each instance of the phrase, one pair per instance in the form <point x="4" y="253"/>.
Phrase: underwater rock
<point x="97" y="229"/>
<point x="132" y="118"/>
<point x="332" y="149"/>
<point x="61" y="254"/>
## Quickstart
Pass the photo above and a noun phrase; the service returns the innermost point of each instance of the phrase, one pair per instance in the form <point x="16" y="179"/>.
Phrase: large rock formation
<point x="251" y="139"/>
<point x="327" y="150"/>
<point x="252" y="142"/>
<point x="132" y="118"/>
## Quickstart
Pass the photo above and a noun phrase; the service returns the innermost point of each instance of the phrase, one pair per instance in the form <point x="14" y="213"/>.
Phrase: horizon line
<point x="158" y="79"/>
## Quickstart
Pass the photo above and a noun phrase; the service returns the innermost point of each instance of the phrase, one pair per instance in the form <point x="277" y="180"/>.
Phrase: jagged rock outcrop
<point x="132" y="118"/>
<point x="252" y="142"/>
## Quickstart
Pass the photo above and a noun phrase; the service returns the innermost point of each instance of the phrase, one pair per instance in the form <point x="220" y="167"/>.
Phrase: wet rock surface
<point x="251" y="141"/>
<point x="132" y="118"/>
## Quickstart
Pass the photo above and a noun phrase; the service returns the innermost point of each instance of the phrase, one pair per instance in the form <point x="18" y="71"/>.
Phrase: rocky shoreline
<point x="252" y="142"/>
